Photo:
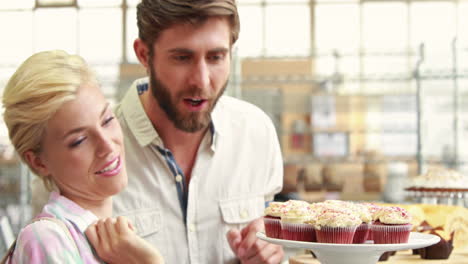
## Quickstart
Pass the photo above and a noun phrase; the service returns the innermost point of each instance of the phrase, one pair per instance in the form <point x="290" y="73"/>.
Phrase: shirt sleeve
<point x="45" y="242"/>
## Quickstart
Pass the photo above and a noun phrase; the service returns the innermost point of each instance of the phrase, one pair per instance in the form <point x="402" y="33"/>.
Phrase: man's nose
<point x="200" y="75"/>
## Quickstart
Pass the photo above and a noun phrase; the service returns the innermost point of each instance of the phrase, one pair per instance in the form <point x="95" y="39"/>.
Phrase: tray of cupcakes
<point x="338" y="231"/>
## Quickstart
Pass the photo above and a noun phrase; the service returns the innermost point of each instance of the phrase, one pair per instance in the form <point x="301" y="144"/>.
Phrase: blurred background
<point x="364" y="94"/>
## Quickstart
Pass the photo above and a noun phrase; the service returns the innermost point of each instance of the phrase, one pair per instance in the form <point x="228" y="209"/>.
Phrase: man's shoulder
<point x="241" y="109"/>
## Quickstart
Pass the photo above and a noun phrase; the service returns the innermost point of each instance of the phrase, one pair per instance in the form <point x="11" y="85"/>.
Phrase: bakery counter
<point x="401" y="257"/>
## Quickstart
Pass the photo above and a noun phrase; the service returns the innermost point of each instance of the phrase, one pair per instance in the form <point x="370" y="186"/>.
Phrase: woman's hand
<point x="115" y="241"/>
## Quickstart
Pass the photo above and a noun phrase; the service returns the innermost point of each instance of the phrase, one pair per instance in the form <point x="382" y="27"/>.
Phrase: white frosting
<point x="393" y="215"/>
<point x="337" y="218"/>
<point x="294" y="211"/>
<point x="274" y="209"/>
<point x="440" y="178"/>
<point x="363" y="212"/>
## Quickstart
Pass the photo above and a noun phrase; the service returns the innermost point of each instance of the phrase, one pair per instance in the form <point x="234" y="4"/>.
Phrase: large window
<point x="373" y="46"/>
<point x="274" y="28"/>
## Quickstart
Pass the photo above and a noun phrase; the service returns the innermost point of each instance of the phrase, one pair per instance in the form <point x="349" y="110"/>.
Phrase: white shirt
<point x="237" y="169"/>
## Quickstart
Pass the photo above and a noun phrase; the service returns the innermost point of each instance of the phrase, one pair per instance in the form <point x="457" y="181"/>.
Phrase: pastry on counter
<point x="441" y="250"/>
<point x="439" y="179"/>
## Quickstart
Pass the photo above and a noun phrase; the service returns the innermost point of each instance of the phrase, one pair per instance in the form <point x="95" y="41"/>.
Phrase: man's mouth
<point x="194" y="102"/>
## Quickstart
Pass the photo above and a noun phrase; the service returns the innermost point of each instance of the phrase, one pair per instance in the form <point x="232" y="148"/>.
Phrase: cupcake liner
<point x="441" y="250"/>
<point x="361" y="234"/>
<point x="390" y="234"/>
<point x="272" y="227"/>
<point x="298" y="232"/>
<point x="370" y="236"/>
<point x="336" y="235"/>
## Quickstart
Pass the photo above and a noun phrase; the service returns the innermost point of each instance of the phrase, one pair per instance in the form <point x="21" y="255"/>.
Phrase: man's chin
<point x="191" y="126"/>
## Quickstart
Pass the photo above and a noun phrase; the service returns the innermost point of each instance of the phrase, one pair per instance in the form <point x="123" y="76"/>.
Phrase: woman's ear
<point x="141" y="51"/>
<point x="36" y="163"/>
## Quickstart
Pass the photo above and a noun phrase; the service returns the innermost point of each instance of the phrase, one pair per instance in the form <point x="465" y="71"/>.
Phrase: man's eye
<point x="216" y="57"/>
<point x="181" y="57"/>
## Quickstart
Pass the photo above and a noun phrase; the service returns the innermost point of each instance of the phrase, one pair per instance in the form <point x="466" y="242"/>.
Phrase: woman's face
<point x="82" y="149"/>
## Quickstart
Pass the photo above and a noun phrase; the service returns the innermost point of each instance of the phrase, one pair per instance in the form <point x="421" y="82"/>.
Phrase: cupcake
<point x="294" y="216"/>
<point x="336" y="225"/>
<point x="362" y="231"/>
<point x="392" y="226"/>
<point x="442" y="249"/>
<point x="272" y="220"/>
<point x="373" y="209"/>
<point x="423" y="227"/>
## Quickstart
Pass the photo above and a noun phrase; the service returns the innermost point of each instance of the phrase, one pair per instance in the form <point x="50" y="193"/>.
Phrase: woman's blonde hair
<point x="37" y="89"/>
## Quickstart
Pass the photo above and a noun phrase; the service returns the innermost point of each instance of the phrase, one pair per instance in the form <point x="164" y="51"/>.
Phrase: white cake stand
<point x="368" y="253"/>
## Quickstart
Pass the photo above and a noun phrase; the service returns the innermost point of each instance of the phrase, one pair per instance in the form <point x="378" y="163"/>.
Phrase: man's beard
<point x="189" y="122"/>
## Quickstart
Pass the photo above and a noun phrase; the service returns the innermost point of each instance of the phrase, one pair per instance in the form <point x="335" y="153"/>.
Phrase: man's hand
<point x="249" y="249"/>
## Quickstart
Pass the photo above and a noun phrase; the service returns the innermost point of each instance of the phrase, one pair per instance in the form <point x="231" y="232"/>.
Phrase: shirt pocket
<point x="237" y="213"/>
<point x="241" y="211"/>
<point x="146" y="221"/>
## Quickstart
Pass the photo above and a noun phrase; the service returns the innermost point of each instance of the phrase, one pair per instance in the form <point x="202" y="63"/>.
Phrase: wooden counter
<point x="402" y="257"/>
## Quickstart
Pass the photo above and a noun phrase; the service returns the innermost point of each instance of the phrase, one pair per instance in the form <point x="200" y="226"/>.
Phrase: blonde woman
<point x="64" y="129"/>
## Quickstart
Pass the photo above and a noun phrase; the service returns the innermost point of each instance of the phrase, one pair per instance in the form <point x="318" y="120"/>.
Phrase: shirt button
<point x="191" y="227"/>
<point x="244" y="214"/>
<point x="178" y="178"/>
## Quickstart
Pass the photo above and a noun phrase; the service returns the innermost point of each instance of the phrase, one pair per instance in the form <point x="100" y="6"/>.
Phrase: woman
<point x="64" y="129"/>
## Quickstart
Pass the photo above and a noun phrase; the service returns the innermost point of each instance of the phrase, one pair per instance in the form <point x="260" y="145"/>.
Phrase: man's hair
<point x="155" y="16"/>
<point x="35" y="92"/>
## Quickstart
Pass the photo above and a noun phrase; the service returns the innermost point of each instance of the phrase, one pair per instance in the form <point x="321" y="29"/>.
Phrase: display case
<point x="319" y="121"/>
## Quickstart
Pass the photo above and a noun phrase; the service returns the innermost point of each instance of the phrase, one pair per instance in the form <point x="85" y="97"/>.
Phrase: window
<point x="132" y="34"/>
<point x="385" y="47"/>
<point x="287" y="30"/>
<point x="337" y="32"/>
<point x="49" y="3"/>
<point x="434" y="24"/>
<point x="101" y="42"/>
<point x="99" y="3"/>
<point x="251" y="38"/>
<point x="55" y="28"/>
<point x="17" y="4"/>
<point x="16" y="41"/>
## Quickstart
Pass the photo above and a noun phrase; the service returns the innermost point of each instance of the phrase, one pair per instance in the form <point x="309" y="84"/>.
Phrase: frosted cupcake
<point x="392" y="226"/>
<point x="294" y="216"/>
<point x="272" y="220"/>
<point x="334" y="225"/>
<point x="373" y="210"/>
<point x="362" y="231"/>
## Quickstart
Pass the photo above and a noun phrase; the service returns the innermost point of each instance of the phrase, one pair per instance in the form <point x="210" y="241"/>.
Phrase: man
<point x="201" y="165"/>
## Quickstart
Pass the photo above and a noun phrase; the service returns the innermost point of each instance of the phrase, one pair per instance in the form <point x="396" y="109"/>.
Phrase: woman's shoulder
<point x="44" y="240"/>
<point x="42" y="232"/>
